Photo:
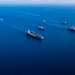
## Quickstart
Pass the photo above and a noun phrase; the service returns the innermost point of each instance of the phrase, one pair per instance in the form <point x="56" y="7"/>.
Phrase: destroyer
<point x="35" y="35"/>
<point x="41" y="28"/>
<point x="44" y="21"/>
<point x="1" y="19"/>
<point x="64" y="22"/>
<point x="72" y="28"/>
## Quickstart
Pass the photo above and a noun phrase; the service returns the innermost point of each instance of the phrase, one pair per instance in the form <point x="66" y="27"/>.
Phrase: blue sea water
<point x="23" y="55"/>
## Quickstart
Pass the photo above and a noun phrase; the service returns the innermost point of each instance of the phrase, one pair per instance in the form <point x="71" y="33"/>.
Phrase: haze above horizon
<point x="37" y="1"/>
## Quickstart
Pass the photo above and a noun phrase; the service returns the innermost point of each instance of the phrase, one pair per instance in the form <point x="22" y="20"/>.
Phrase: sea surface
<point x="24" y="55"/>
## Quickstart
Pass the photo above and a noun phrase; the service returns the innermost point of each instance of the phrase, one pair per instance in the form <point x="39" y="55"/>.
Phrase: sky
<point x="37" y="1"/>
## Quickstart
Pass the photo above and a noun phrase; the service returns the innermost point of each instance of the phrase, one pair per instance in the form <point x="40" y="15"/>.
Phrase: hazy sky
<point x="37" y="1"/>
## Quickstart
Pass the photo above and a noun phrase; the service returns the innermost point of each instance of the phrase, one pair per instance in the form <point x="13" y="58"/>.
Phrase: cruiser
<point x="72" y="28"/>
<point x="35" y="35"/>
<point x="41" y="28"/>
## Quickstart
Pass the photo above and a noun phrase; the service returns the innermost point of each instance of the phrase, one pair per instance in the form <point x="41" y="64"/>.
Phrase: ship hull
<point x="41" y="29"/>
<point x="73" y="30"/>
<point x="35" y="36"/>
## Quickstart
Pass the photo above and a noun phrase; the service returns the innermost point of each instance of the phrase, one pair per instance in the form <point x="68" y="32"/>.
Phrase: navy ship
<point x="1" y="19"/>
<point x="64" y="22"/>
<point x="44" y="21"/>
<point x="72" y="28"/>
<point x="41" y="28"/>
<point x="35" y="35"/>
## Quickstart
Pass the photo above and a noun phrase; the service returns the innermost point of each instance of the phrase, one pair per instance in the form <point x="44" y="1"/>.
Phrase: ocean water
<point x="24" y="55"/>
